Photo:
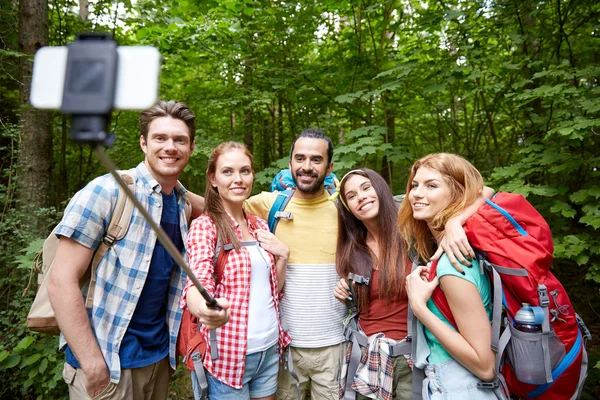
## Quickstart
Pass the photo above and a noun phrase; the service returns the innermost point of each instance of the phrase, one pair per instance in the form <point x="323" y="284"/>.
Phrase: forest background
<point x="511" y="85"/>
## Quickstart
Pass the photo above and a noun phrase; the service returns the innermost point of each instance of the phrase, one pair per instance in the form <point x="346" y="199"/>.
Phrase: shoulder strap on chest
<point x="278" y="207"/>
<point x="116" y="230"/>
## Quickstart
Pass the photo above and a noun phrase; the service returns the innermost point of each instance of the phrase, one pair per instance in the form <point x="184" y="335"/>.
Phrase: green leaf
<point x="564" y="209"/>
<point x="590" y="220"/>
<point x="344" y="98"/>
<point x="25" y="343"/>
<point x="582" y="259"/>
<point x="33" y="372"/>
<point x="30" y="360"/>
<point x="579" y="197"/>
<point x="12" y="361"/>
<point x="371" y="130"/>
<point x="11" y="53"/>
<point x="43" y="365"/>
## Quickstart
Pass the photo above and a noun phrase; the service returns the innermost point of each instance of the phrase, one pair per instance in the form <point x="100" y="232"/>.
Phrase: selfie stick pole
<point x="160" y="233"/>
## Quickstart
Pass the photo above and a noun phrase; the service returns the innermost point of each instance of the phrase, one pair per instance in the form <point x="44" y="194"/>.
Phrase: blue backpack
<point x="284" y="184"/>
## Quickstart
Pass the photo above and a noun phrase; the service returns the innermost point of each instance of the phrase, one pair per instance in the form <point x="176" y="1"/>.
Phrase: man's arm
<point x="70" y="264"/>
<point x="197" y="203"/>
<point x="454" y="241"/>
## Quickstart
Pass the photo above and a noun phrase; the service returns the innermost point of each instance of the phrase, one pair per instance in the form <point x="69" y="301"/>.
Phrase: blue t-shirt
<point x="473" y="274"/>
<point x="146" y="340"/>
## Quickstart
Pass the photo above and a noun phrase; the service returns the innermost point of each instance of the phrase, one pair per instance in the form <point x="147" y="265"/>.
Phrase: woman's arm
<point x="201" y="239"/>
<point x="472" y="346"/>
<point x="454" y="241"/>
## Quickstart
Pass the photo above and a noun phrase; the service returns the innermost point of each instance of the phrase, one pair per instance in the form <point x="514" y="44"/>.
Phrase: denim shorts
<point x="259" y="380"/>
<point x="451" y="381"/>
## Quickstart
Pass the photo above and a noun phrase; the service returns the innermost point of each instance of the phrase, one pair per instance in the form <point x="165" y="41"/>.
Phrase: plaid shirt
<point x="122" y="272"/>
<point x="375" y="373"/>
<point x="235" y="287"/>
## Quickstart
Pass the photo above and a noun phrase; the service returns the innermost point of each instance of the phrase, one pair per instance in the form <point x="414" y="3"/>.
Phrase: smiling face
<point x="309" y="166"/>
<point x="167" y="148"/>
<point x="429" y="194"/>
<point x="233" y="178"/>
<point x="361" y="198"/>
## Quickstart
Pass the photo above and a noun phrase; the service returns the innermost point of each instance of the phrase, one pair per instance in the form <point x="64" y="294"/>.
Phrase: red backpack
<point x="190" y="340"/>
<point x="514" y="244"/>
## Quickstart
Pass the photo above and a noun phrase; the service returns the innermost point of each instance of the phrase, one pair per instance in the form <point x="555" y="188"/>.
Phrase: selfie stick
<point x="160" y="233"/>
<point x="90" y="81"/>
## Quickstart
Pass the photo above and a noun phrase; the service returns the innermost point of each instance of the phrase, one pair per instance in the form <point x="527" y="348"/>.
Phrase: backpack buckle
<point x="543" y="294"/>
<point x="586" y="332"/>
<point x="488" y="385"/>
<point x="284" y="214"/>
<point x="359" y="278"/>
<point x="108" y="240"/>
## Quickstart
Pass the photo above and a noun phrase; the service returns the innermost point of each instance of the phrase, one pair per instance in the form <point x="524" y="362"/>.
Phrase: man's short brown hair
<point x="171" y="108"/>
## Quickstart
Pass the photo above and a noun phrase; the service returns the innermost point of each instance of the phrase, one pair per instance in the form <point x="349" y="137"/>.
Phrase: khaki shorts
<point x="320" y="366"/>
<point x="150" y="382"/>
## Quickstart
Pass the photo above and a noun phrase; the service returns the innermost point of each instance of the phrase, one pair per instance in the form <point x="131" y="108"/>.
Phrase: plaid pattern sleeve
<point x="122" y="272"/>
<point x="235" y="287"/>
<point x="201" y="243"/>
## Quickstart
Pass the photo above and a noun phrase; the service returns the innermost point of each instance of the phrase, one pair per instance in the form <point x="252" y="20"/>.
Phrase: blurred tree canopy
<point x="511" y="85"/>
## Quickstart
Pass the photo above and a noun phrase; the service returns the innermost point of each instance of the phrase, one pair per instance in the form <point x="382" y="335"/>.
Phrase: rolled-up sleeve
<point x="201" y="241"/>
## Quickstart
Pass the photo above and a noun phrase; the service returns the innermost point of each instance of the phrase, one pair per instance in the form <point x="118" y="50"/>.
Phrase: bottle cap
<point x="525" y="315"/>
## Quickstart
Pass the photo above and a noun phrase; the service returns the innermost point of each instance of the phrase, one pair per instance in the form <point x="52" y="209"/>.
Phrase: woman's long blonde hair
<point x="465" y="183"/>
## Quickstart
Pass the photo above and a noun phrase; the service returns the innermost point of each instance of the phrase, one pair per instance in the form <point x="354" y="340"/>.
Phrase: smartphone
<point x="136" y="83"/>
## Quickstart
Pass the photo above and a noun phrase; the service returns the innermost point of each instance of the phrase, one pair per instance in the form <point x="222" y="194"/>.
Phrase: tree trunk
<point x="35" y="154"/>
<point x="83" y="9"/>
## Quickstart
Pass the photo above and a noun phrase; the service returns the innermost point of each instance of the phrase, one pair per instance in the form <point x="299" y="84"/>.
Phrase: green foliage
<point x="29" y="363"/>
<point x="511" y="86"/>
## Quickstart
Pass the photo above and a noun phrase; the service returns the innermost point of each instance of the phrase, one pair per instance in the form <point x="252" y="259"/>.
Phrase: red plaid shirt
<point x="235" y="287"/>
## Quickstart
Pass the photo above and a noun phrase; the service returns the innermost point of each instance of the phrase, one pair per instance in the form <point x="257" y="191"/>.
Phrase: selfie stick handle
<point x="160" y="233"/>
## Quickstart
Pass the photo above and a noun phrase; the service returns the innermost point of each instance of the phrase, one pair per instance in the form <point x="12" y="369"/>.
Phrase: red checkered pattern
<point x="235" y="287"/>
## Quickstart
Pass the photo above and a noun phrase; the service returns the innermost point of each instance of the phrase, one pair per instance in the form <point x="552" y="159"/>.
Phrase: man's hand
<point x="97" y="376"/>
<point x="455" y="244"/>
<point x="212" y="318"/>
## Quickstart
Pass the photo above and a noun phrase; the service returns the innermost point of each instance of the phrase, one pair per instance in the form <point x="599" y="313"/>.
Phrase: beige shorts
<point x="320" y="366"/>
<point x="150" y="382"/>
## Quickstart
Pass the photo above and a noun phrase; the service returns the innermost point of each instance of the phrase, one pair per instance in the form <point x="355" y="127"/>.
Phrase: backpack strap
<point x="418" y="374"/>
<point x="438" y="297"/>
<point x="276" y="212"/>
<point x="219" y="260"/>
<point x="117" y="228"/>
<point x="187" y="210"/>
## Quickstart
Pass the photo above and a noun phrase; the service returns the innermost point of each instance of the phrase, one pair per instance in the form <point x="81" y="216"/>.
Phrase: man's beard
<point x="312" y="188"/>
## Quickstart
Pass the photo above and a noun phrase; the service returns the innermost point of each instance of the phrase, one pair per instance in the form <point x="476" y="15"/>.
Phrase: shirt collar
<point x="152" y="184"/>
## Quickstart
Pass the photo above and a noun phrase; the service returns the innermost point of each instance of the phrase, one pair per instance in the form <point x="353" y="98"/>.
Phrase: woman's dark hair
<point x="354" y="255"/>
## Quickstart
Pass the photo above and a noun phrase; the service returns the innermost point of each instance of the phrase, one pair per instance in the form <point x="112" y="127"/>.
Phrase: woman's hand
<point x="342" y="291"/>
<point x="272" y="244"/>
<point x="455" y="244"/>
<point x="212" y="318"/>
<point x="418" y="288"/>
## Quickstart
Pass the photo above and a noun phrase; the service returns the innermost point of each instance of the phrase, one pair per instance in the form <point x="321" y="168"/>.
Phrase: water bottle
<point x="525" y="320"/>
